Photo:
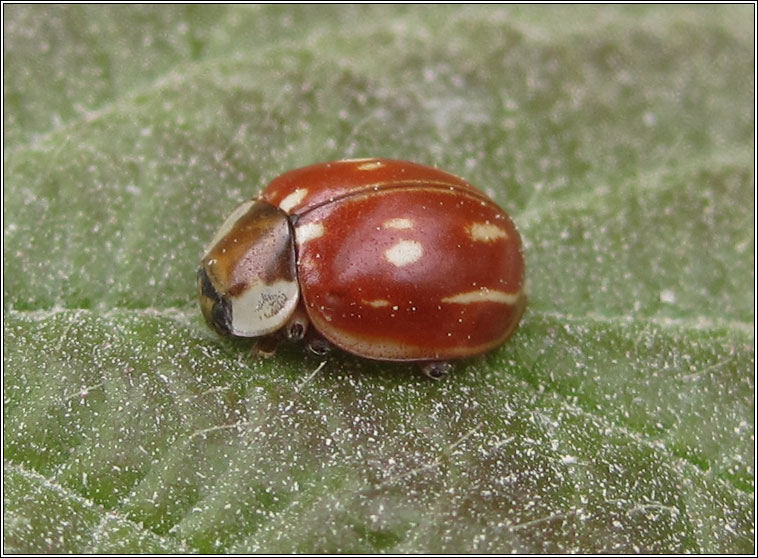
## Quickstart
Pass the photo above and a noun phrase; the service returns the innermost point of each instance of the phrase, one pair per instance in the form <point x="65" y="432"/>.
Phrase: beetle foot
<point x="265" y="346"/>
<point x="436" y="369"/>
<point x="318" y="345"/>
<point x="297" y="325"/>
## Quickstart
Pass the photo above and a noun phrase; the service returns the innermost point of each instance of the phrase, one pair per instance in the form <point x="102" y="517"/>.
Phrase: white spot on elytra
<point x="485" y="232"/>
<point x="404" y="252"/>
<point x="398" y="223"/>
<point x="292" y="199"/>
<point x="308" y="231"/>
<point x="483" y="295"/>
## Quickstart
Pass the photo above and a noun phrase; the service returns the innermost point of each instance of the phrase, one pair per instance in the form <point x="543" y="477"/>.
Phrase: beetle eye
<point x="222" y="316"/>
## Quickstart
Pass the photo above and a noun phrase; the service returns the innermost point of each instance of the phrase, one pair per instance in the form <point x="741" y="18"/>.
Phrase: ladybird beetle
<point x="388" y="260"/>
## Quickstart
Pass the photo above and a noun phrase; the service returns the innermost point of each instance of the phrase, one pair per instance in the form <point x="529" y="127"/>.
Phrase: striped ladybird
<point x="388" y="260"/>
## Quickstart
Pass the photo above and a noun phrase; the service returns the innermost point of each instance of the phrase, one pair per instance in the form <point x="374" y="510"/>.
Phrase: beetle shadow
<point x="302" y="365"/>
<point x="295" y="364"/>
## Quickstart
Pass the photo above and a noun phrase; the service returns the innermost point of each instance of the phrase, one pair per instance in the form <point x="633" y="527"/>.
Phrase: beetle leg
<point x="297" y="326"/>
<point x="436" y="369"/>
<point x="317" y="344"/>
<point x="266" y="346"/>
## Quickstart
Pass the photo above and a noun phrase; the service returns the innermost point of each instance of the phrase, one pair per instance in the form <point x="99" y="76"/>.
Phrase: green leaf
<point x="619" y="418"/>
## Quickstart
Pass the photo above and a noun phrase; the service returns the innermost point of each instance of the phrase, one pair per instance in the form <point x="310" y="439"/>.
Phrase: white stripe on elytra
<point x="485" y="232"/>
<point x="483" y="295"/>
<point x="370" y="165"/>
<point x="376" y="303"/>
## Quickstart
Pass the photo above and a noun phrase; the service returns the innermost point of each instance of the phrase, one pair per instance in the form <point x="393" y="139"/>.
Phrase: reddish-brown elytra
<point x="385" y="259"/>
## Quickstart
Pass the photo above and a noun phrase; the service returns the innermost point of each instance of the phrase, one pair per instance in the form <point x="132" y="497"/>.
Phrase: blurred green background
<point x="619" y="418"/>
